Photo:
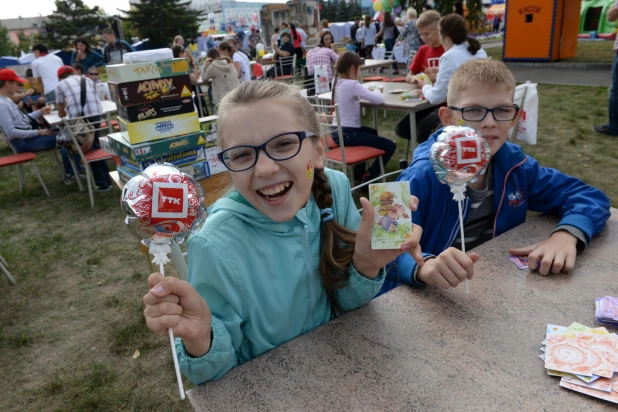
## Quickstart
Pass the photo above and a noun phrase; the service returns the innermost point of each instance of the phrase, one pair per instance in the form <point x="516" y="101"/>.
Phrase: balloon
<point x="163" y="204"/>
<point x="388" y="9"/>
<point x="397" y="9"/>
<point x="259" y="47"/>
<point x="262" y="53"/>
<point x="377" y="6"/>
<point x="396" y="3"/>
<point x="459" y="156"/>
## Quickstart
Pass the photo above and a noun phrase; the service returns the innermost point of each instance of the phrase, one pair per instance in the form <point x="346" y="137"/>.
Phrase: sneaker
<point x="68" y="179"/>
<point x="104" y="188"/>
<point x="63" y="140"/>
<point x="604" y="129"/>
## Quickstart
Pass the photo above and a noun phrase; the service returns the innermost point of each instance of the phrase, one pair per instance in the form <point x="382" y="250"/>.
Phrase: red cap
<point x="252" y="27"/>
<point x="65" y="69"/>
<point x="8" y="74"/>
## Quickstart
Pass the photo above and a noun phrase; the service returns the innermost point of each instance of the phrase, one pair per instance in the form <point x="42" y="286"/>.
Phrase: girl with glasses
<point x="283" y="253"/>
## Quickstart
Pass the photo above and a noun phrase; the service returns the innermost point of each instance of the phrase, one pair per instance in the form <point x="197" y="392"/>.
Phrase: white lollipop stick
<point x="160" y="251"/>
<point x="458" y="192"/>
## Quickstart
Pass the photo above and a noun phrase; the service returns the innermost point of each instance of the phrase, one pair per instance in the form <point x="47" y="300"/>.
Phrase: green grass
<point x="70" y="326"/>
<point x="587" y="52"/>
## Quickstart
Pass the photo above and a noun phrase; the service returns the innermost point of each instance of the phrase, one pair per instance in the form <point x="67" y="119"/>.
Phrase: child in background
<point x="347" y="92"/>
<point x="481" y="95"/>
<point x="242" y="300"/>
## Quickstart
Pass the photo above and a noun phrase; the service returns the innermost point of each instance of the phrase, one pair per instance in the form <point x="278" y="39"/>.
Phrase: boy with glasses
<point x="481" y="96"/>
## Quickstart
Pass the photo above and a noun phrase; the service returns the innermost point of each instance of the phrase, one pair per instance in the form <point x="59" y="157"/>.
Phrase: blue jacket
<point x="94" y="58"/>
<point x="260" y="279"/>
<point x="520" y="184"/>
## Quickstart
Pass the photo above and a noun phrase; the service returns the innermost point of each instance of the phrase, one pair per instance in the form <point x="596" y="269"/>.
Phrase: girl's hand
<point x="368" y="261"/>
<point x="174" y="303"/>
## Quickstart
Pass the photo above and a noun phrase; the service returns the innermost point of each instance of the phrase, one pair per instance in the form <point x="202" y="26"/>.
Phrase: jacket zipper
<point x="503" y="192"/>
<point x="307" y="253"/>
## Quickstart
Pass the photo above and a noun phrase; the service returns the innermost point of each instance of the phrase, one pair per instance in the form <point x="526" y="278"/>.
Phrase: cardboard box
<point x="123" y="73"/>
<point x="147" y="91"/>
<point x="155" y="149"/>
<point x="209" y="126"/>
<point x="156" y="129"/>
<point x="199" y="169"/>
<point x="156" y="110"/>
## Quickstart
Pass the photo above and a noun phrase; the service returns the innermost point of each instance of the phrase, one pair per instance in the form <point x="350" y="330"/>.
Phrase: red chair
<point x="339" y="154"/>
<point x="376" y="79"/>
<point x="19" y="159"/>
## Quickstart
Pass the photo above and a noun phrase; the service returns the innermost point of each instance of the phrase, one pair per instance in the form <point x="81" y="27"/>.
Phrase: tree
<point x="6" y="45"/>
<point x="72" y="20"/>
<point x="475" y="15"/>
<point x="161" y="20"/>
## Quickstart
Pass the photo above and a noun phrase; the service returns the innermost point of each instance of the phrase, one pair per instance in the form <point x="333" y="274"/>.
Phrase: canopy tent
<point x="340" y="30"/>
<point x="495" y="10"/>
<point x="8" y="61"/>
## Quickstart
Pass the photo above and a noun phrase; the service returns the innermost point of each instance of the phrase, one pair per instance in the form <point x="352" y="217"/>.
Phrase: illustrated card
<point x="602" y="384"/>
<point x="607" y="396"/>
<point x="566" y="353"/>
<point x="520" y="261"/>
<point x="392" y="222"/>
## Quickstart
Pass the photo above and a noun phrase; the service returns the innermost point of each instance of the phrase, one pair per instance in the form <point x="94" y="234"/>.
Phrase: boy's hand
<point x="432" y="72"/>
<point x="556" y="253"/>
<point x="174" y="303"/>
<point x="368" y="261"/>
<point x="448" y="269"/>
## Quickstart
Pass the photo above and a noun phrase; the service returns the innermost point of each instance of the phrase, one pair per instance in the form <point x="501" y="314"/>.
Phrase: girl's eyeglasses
<point x="281" y="147"/>
<point x="478" y="113"/>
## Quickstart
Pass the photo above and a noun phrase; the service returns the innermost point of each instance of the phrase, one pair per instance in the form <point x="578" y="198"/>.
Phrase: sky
<point x="31" y="8"/>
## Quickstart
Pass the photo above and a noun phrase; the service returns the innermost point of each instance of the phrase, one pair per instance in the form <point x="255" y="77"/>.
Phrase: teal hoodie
<point x="260" y="279"/>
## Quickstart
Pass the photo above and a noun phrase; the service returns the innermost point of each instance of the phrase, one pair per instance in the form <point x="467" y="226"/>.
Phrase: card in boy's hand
<point x="392" y="222"/>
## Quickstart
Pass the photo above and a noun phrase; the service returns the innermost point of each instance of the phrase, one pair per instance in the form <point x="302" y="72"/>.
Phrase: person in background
<point x="178" y="40"/>
<point x="409" y="37"/>
<point x="285" y="28"/>
<point x="79" y="68"/>
<point x="242" y="68"/>
<point x="322" y="55"/>
<point x="93" y="74"/>
<point x="611" y="128"/>
<point x="114" y="48"/>
<point x="325" y="26"/>
<point x="496" y="22"/>
<point x="180" y="52"/>
<point x="353" y="31"/>
<point x="21" y="129"/>
<point x="236" y="45"/>
<point x="221" y="72"/>
<point x="369" y="37"/>
<point x="274" y="39"/>
<point x="296" y="42"/>
<point x="193" y="48"/>
<point x="68" y="98"/>
<point x="286" y="50"/>
<point x="85" y="56"/>
<point x="390" y="33"/>
<point x="458" y="8"/>
<point x="347" y="93"/>
<point x="44" y="69"/>
<point x="360" y="35"/>
<point x="254" y="39"/>
<point x="303" y="34"/>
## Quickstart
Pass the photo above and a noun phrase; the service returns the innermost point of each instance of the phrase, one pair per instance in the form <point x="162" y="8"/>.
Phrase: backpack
<point x="82" y="129"/>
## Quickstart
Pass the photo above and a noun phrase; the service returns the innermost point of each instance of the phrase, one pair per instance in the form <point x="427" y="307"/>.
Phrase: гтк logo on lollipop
<point x="163" y="205"/>
<point x="459" y="156"/>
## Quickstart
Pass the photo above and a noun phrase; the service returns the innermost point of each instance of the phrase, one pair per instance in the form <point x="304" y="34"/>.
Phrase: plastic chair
<point x="18" y="160"/>
<point x="289" y="64"/>
<point x="4" y="267"/>
<point x="339" y="154"/>
<point x="92" y="156"/>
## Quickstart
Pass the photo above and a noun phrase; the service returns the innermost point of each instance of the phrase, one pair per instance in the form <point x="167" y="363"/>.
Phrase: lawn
<point x="71" y="325"/>
<point x="587" y="52"/>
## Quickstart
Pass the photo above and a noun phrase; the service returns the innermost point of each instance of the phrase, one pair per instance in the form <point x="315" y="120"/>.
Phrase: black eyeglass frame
<point x="487" y="110"/>
<point x="257" y="149"/>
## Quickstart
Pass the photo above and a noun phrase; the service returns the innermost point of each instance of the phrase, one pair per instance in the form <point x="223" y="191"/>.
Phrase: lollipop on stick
<point x="163" y="205"/>
<point x="459" y="156"/>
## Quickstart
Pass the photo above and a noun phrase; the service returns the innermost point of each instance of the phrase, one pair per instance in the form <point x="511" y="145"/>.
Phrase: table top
<point x="433" y="349"/>
<point x="374" y="64"/>
<point x="108" y="107"/>
<point x="391" y="101"/>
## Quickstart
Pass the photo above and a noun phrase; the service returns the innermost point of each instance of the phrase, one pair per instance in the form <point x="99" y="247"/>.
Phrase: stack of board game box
<point x="158" y="121"/>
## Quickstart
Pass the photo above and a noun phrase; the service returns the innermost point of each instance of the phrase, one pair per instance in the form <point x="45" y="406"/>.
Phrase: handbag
<point x="82" y="129"/>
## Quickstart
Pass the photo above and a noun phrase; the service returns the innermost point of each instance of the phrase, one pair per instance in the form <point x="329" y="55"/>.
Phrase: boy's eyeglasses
<point x="281" y="147"/>
<point x="478" y="113"/>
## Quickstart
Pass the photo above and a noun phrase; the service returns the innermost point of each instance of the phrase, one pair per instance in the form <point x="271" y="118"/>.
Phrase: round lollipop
<point x="459" y="156"/>
<point x="163" y="205"/>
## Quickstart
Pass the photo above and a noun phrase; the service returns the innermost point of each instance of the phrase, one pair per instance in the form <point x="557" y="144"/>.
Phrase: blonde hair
<point x="412" y="13"/>
<point x="479" y="73"/>
<point x="428" y="18"/>
<point x="177" y="39"/>
<point x="337" y="241"/>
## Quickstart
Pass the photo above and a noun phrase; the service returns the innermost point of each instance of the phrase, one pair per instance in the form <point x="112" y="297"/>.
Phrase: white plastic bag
<point x="527" y="97"/>
<point x="379" y="52"/>
<point x="320" y="79"/>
